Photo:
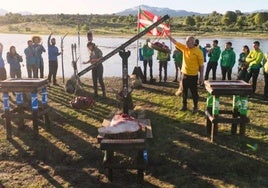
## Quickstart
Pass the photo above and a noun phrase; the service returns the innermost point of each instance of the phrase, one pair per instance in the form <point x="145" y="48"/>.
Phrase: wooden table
<point x="240" y="91"/>
<point x="138" y="145"/>
<point x="20" y="87"/>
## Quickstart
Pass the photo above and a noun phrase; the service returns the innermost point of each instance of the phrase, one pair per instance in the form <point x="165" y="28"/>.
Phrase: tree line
<point x="231" y="21"/>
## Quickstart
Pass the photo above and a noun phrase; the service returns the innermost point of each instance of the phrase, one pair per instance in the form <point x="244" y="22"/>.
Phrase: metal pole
<point x="62" y="66"/>
<point x="123" y="46"/>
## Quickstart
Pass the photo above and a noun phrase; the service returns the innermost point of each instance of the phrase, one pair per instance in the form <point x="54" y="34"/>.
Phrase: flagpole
<point x="138" y="29"/>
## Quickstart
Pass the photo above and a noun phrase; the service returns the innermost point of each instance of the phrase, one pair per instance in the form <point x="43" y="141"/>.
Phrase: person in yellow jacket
<point x="193" y="62"/>
<point x="254" y="60"/>
<point x="265" y="75"/>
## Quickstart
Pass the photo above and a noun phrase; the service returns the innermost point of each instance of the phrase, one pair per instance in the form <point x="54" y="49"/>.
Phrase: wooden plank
<point x="118" y="165"/>
<point x="122" y="141"/>
<point x="122" y="144"/>
<point x="219" y="119"/>
<point x="230" y="87"/>
<point x="23" y="85"/>
<point x="231" y="120"/>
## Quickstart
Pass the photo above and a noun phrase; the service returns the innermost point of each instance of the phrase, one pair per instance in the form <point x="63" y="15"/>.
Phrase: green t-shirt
<point x="177" y="56"/>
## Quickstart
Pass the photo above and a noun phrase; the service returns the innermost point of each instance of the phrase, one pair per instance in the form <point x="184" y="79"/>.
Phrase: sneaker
<point x="183" y="108"/>
<point x="175" y="80"/>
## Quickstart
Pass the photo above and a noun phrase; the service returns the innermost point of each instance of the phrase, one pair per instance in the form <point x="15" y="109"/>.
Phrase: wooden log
<point x="122" y="144"/>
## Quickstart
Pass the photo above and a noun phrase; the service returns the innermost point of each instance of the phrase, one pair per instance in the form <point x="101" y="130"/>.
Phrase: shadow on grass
<point x="184" y="150"/>
<point x="180" y="154"/>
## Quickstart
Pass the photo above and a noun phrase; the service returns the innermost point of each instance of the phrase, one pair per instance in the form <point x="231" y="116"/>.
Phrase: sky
<point x="113" y="6"/>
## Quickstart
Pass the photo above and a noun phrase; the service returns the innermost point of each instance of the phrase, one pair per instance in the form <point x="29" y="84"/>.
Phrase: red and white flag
<point x="146" y="19"/>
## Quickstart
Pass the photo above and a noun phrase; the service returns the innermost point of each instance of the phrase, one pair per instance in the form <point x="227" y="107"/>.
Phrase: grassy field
<point x="180" y="154"/>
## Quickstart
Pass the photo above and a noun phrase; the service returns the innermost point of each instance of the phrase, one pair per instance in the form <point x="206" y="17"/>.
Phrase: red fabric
<point x="82" y="102"/>
<point x="146" y="19"/>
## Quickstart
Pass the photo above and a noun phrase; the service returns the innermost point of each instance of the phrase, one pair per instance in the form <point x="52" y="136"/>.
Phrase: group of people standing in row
<point x="35" y="64"/>
<point x="189" y="61"/>
<point x="34" y="60"/>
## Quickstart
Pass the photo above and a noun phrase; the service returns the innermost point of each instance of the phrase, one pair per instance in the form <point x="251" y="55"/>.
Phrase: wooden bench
<point x="239" y="90"/>
<point x="136" y="145"/>
<point x="32" y="111"/>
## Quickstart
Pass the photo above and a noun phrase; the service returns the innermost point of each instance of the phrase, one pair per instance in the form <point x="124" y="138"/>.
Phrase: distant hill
<point x="261" y="10"/>
<point x="157" y="11"/>
<point x="133" y="11"/>
<point x="3" y="12"/>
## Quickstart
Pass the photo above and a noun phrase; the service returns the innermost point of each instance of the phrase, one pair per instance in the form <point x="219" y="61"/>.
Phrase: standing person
<point x="31" y="60"/>
<point x="3" y="73"/>
<point x="97" y="71"/>
<point x="177" y="56"/>
<point x="89" y="36"/>
<point x="147" y="54"/>
<point x="214" y="55"/>
<point x="227" y="61"/>
<point x="39" y="49"/>
<point x="14" y="59"/>
<point x="204" y="51"/>
<point x="193" y="62"/>
<point x="163" y="58"/>
<point x="265" y="75"/>
<point x="254" y="60"/>
<point x="242" y="64"/>
<point x="53" y="53"/>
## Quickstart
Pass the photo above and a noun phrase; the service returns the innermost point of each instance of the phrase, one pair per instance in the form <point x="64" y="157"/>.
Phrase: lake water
<point x="112" y="66"/>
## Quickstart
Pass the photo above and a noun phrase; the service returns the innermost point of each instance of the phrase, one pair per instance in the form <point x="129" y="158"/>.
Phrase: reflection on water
<point x="112" y="67"/>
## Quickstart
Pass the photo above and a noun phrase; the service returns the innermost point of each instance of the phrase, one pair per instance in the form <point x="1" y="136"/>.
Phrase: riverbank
<point x="44" y="29"/>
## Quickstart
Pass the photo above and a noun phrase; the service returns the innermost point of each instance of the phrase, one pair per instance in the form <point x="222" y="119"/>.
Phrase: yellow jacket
<point x="265" y="63"/>
<point x="254" y="59"/>
<point x="192" y="59"/>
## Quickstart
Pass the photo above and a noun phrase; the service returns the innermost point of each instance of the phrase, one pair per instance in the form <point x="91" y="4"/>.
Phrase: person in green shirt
<point x="254" y="60"/>
<point x="227" y="61"/>
<point x="177" y="56"/>
<point x="147" y="54"/>
<point x="265" y="75"/>
<point x="214" y="55"/>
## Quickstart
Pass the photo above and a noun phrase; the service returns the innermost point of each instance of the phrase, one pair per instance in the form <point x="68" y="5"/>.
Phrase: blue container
<point x="19" y="98"/>
<point x="6" y="101"/>
<point x="44" y="96"/>
<point x="145" y="155"/>
<point x="34" y="101"/>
